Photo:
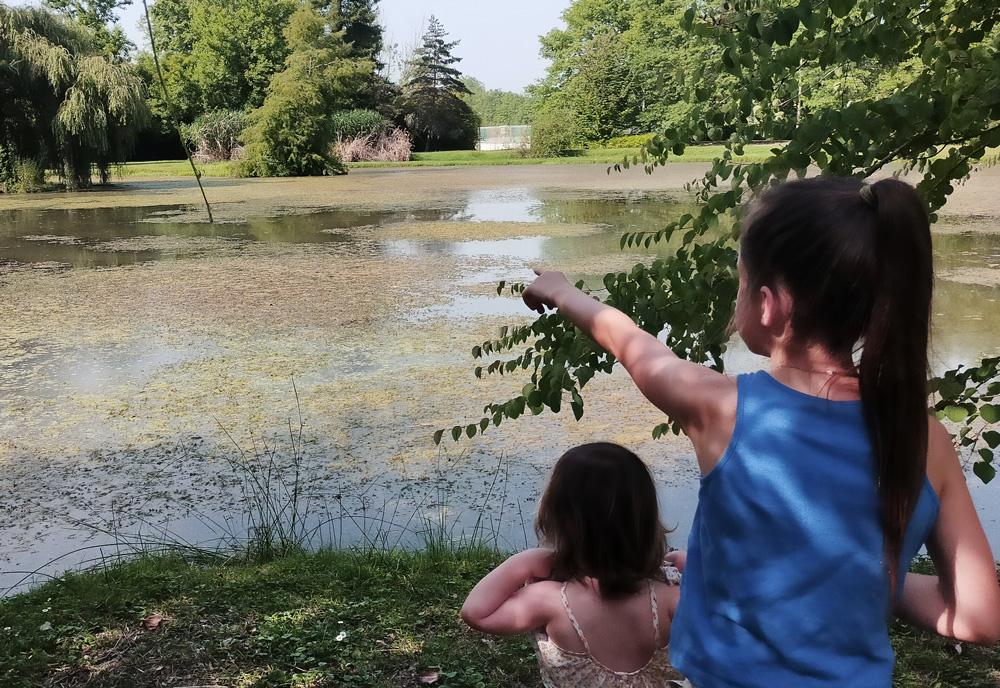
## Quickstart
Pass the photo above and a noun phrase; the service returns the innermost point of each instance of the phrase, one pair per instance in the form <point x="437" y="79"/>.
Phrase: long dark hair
<point x="857" y="262"/>
<point x="600" y="515"/>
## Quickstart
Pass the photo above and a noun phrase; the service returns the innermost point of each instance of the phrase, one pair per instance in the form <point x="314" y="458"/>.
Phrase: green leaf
<point x="986" y="455"/>
<point x="990" y="413"/>
<point x="470" y="430"/>
<point x="841" y="8"/>
<point x="437" y="436"/>
<point x="984" y="471"/>
<point x="456" y="432"/>
<point x="956" y="414"/>
<point x="992" y="438"/>
<point x="501" y="286"/>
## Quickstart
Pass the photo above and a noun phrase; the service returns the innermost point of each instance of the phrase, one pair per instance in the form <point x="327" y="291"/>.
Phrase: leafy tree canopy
<point x="100" y="17"/>
<point x="290" y="134"/>
<point x="495" y="107"/>
<point x="358" y="19"/>
<point x="63" y="103"/>
<point x="620" y="65"/>
<point x="432" y="94"/>
<point x="218" y="54"/>
<point x="940" y="119"/>
<point x="624" y="66"/>
<point x="221" y="54"/>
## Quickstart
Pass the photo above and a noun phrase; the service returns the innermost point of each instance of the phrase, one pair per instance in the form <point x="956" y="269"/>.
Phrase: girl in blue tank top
<point x="822" y="476"/>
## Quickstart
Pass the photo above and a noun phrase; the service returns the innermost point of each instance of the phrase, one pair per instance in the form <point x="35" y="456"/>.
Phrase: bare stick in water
<point x="173" y="113"/>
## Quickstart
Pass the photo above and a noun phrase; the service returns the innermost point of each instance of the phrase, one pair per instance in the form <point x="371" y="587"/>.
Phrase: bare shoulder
<point x="545" y="594"/>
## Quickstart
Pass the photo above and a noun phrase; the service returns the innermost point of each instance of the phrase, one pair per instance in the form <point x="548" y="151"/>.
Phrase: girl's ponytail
<point x="893" y="369"/>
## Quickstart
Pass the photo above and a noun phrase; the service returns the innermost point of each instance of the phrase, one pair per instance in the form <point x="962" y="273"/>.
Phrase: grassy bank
<point x="329" y="619"/>
<point x="607" y="156"/>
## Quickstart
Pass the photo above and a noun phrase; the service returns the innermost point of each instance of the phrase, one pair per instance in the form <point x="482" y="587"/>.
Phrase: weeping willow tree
<point x="63" y="105"/>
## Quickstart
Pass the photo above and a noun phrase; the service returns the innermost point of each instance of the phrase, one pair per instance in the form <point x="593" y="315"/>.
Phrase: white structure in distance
<point x="505" y="138"/>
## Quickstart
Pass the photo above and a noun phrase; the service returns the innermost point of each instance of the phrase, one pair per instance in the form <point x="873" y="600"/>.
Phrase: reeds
<point x="390" y="145"/>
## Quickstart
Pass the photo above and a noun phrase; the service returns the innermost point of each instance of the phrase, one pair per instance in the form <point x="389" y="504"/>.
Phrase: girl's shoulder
<point x="547" y="594"/>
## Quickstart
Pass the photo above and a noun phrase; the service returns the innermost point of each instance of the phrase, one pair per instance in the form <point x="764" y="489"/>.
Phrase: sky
<point x="498" y="40"/>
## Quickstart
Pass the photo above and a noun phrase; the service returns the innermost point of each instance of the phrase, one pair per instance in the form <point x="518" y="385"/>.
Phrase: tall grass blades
<point x="276" y="505"/>
<point x="216" y="134"/>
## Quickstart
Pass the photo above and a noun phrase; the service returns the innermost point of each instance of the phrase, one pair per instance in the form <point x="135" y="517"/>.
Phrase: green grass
<point x="170" y="168"/>
<point x="327" y="619"/>
<point x="606" y="156"/>
<point x="346" y="618"/>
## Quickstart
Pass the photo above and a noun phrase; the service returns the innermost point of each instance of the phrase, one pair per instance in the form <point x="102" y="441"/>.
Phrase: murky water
<point x="145" y="358"/>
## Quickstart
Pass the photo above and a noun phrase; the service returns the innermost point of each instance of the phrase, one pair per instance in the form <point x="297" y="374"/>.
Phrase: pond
<point x="155" y="367"/>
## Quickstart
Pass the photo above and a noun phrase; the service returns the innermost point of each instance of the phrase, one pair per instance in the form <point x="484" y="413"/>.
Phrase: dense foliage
<point x="626" y="66"/>
<point x="495" y="107"/>
<point x="942" y="118"/>
<point x="432" y="100"/>
<point x="620" y="66"/>
<point x="64" y="105"/>
<point x="554" y="131"/>
<point x="217" y="54"/>
<point x="221" y="54"/>
<point x="290" y="134"/>
<point x="216" y="135"/>
<point x="99" y="16"/>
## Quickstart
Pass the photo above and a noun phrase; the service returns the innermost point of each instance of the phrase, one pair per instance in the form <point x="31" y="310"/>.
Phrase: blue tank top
<point x="784" y="584"/>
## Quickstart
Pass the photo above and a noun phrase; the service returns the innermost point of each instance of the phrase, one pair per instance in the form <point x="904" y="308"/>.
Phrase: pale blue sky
<point x="499" y="40"/>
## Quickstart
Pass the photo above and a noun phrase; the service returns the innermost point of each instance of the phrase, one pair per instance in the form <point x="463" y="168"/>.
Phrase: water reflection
<point x="107" y="237"/>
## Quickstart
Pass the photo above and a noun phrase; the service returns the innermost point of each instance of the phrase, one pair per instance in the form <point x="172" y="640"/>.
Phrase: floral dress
<point x="565" y="669"/>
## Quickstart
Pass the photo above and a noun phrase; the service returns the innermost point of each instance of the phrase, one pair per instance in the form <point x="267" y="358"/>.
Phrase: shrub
<point x="631" y="141"/>
<point x="352" y="124"/>
<point x="392" y="145"/>
<point x="216" y="135"/>
<point x="553" y="132"/>
<point x="290" y="134"/>
<point x="20" y="175"/>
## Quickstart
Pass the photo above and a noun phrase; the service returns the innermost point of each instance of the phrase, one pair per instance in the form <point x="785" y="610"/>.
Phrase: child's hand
<point x="677" y="559"/>
<point x="541" y="293"/>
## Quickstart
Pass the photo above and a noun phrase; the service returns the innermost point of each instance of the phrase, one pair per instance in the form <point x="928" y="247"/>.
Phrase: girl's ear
<point x="775" y="308"/>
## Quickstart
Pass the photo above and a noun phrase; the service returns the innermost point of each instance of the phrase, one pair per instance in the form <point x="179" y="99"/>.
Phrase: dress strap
<point x="576" y="625"/>
<point x="656" y="613"/>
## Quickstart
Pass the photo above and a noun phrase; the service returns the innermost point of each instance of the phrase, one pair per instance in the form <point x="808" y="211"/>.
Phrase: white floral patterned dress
<point x="565" y="669"/>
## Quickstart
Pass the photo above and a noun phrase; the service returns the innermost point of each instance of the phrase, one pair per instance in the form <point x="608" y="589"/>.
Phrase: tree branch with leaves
<point x="951" y="99"/>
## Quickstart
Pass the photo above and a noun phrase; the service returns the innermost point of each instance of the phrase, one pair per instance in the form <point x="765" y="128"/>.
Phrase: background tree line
<point x="278" y="83"/>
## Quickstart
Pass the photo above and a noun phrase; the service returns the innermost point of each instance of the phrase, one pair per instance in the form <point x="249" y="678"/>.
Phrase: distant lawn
<point x="605" y="156"/>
